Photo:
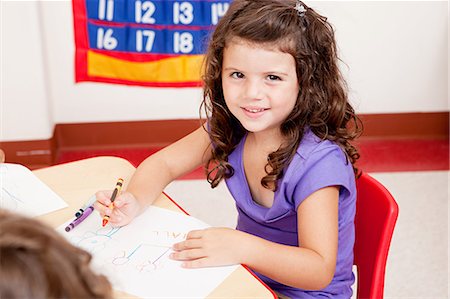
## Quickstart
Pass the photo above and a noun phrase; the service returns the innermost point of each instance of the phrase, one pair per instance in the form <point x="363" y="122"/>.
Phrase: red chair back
<point x="376" y="214"/>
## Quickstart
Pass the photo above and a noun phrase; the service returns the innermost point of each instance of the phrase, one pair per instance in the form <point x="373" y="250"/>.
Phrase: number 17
<point x="140" y="36"/>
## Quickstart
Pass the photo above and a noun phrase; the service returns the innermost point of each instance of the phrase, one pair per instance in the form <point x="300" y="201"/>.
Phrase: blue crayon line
<point x="161" y="255"/>
<point x="136" y="249"/>
<point x="79" y="219"/>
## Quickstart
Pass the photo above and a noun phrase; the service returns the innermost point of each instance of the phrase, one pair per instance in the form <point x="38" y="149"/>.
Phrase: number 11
<point x="106" y="9"/>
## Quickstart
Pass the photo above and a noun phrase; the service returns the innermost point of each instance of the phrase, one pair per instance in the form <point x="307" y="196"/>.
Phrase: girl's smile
<point x="254" y="112"/>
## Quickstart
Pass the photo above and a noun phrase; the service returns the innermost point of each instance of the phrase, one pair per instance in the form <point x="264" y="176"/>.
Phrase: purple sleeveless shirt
<point x="316" y="164"/>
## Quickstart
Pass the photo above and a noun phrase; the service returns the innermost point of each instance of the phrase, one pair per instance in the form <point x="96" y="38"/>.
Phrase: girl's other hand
<point x="209" y="247"/>
<point x="126" y="207"/>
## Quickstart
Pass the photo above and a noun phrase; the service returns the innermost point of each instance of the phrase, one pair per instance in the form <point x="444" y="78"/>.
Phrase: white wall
<point x="396" y="54"/>
<point x="24" y="102"/>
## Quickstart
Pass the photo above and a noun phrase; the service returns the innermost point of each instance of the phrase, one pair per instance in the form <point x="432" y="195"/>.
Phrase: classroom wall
<point x="395" y="54"/>
<point x="24" y="102"/>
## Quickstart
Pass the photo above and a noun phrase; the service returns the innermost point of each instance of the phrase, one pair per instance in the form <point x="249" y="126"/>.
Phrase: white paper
<point x="22" y="192"/>
<point x="135" y="257"/>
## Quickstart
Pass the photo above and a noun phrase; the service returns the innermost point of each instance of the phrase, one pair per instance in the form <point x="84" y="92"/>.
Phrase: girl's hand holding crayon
<point x="126" y="207"/>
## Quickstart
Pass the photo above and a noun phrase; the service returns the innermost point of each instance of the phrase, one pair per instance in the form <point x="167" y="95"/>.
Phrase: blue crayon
<point x="80" y="219"/>
<point x="86" y="205"/>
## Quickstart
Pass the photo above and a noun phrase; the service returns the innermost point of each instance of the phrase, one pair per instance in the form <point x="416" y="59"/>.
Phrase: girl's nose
<point x="254" y="90"/>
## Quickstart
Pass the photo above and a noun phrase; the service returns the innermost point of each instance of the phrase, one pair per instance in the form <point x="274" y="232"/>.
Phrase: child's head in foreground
<point x="305" y="40"/>
<point x="36" y="262"/>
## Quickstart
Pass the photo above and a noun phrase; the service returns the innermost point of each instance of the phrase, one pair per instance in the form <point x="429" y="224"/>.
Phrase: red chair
<point x="376" y="214"/>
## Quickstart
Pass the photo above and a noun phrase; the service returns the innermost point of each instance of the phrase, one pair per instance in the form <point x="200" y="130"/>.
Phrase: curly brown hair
<point x="322" y="103"/>
<point x="36" y="262"/>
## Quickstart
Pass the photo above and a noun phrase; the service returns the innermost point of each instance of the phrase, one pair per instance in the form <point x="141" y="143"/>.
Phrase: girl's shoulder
<point x="313" y="147"/>
<point x="317" y="164"/>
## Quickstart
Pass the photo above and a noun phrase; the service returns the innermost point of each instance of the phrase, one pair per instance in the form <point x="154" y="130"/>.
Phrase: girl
<point x="277" y="133"/>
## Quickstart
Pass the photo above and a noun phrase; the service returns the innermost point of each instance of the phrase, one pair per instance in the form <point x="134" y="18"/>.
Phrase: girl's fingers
<point x="116" y="220"/>
<point x="118" y="217"/>
<point x="121" y="212"/>
<point x="120" y="200"/>
<point x="187" y="255"/>
<point x="104" y="197"/>
<point x="103" y="202"/>
<point x="198" y="263"/>
<point x="118" y="203"/>
<point x="188" y="244"/>
<point x="100" y="208"/>
<point x="195" y="234"/>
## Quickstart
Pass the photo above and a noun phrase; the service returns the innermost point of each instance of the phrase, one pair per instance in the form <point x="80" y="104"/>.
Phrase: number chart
<point x="140" y="42"/>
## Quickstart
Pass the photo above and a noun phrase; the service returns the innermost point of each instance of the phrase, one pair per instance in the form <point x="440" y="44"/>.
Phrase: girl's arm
<point x="161" y="168"/>
<point x="153" y="175"/>
<point x="310" y="266"/>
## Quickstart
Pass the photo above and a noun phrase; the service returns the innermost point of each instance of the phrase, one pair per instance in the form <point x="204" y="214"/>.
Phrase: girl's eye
<point x="273" y="78"/>
<point x="237" y="75"/>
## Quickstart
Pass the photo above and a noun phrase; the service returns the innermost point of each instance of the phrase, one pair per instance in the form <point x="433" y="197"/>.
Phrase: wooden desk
<point x="75" y="182"/>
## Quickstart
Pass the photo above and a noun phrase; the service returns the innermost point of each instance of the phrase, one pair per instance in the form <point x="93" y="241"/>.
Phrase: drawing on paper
<point x="22" y="192"/>
<point x="137" y="253"/>
<point x="149" y="256"/>
<point x="95" y="241"/>
<point x="167" y="237"/>
<point x="10" y="197"/>
<point x="143" y="258"/>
